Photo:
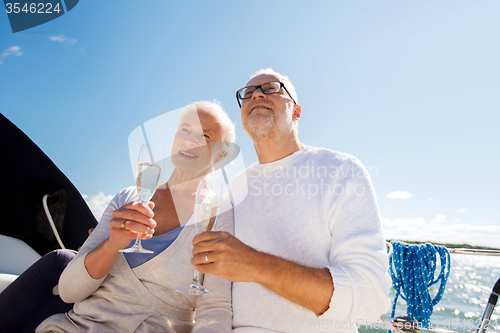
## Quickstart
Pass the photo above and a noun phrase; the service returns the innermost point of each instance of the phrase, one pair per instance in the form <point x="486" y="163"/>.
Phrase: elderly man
<point x="308" y="252"/>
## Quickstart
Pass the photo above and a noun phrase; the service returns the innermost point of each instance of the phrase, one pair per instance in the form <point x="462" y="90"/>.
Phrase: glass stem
<point x="138" y="240"/>
<point x="196" y="277"/>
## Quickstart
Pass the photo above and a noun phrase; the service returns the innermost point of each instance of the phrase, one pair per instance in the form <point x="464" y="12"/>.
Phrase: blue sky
<point x="409" y="88"/>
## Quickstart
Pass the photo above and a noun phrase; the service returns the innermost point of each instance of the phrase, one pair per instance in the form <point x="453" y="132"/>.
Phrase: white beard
<point x="262" y="127"/>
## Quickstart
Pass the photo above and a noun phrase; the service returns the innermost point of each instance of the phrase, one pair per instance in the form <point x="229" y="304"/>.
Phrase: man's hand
<point x="227" y="257"/>
<point x="231" y="259"/>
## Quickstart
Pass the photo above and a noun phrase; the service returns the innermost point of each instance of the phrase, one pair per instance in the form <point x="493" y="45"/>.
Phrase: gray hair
<point x="283" y="78"/>
<point x="228" y="127"/>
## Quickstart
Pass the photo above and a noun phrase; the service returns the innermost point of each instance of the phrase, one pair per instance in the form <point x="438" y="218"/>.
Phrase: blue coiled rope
<point x="412" y="270"/>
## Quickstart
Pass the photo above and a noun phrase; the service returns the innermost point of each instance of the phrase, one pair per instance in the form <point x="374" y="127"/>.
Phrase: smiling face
<point x="197" y="143"/>
<point x="267" y="116"/>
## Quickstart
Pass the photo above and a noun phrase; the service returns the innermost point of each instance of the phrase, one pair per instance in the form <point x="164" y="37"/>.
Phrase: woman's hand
<point x="129" y="220"/>
<point x="125" y="224"/>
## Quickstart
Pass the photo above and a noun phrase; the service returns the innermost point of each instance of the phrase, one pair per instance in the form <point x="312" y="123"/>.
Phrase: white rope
<point x="51" y="222"/>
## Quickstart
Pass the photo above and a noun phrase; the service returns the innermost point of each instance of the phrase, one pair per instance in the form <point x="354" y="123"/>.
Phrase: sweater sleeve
<point x="214" y="312"/>
<point x="75" y="283"/>
<point x="358" y="259"/>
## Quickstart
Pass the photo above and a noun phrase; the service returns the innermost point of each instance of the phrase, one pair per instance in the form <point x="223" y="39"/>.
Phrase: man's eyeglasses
<point x="266" y="88"/>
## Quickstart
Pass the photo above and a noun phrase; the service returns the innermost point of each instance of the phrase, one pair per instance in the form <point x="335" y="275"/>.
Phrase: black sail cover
<point x="27" y="175"/>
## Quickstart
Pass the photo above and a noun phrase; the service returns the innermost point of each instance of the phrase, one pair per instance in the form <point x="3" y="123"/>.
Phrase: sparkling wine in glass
<point x="148" y="175"/>
<point x="206" y="211"/>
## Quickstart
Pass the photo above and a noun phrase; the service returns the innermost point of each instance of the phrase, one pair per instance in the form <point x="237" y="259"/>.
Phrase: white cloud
<point x="11" y="51"/>
<point x="420" y="229"/>
<point x="97" y="203"/>
<point x="399" y="195"/>
<point x="462" y="210"/>
<point x="431" y="199"/>
<point x="62" y="39"/>
<point x="456" y="220"/>
<point x="57" y="38"/>
<point x="440" y="218"/>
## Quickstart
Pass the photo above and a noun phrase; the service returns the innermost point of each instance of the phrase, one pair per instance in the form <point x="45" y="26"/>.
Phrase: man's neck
<point x="271" y="150"/>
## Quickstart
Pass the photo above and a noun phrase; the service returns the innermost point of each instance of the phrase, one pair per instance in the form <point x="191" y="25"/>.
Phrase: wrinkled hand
<point x="228" y="257"/>
<point x="128" y="221"/>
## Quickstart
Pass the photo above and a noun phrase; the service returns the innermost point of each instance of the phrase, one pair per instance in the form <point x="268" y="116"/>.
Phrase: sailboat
<point x="41" y="209"/>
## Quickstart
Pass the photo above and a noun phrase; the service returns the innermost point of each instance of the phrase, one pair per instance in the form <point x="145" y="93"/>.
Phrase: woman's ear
<point x="221" y="157"/>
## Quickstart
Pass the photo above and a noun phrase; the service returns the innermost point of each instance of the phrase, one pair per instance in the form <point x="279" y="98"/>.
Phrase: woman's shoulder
<point x="128" y="192"/>
<point x="125" y="196"/>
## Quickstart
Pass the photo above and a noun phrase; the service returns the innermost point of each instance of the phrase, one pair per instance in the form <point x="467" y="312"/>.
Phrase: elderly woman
<point x="136" y="292"/>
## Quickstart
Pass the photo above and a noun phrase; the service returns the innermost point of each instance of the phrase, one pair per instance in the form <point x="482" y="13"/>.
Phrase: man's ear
<point x="297" y="112"/>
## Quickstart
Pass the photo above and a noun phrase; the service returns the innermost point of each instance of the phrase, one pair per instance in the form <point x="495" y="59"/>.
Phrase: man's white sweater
<point x="317" y="208"/>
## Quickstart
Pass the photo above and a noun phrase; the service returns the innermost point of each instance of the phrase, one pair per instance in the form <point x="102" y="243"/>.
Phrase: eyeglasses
<point x="266" y="88"/>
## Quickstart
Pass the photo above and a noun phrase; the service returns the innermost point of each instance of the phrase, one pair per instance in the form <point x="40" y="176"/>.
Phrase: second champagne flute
<point x="206" y="211"/>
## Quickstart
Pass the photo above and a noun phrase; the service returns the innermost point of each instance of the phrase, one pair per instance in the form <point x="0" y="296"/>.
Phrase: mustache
<point x="263" y="103"/>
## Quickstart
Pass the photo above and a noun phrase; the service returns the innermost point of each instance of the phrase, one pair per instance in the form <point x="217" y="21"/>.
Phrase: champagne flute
<point x="148" y="175"/>
<point x="206" y="211"/>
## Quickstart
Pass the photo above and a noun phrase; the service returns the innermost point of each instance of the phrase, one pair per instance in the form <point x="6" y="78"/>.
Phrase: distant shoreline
<point x="449" y="245"/>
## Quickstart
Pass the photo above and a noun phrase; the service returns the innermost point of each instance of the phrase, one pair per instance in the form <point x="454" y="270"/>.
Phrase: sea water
<point x="467" y="291"/>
